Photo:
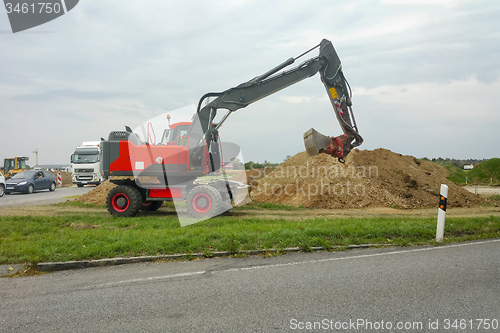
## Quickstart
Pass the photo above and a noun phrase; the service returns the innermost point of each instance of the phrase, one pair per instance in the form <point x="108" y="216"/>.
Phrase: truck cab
<point x="85" y="162"/>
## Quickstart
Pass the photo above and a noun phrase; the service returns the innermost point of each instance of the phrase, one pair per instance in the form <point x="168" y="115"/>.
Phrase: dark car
<point x="31" y="181"/>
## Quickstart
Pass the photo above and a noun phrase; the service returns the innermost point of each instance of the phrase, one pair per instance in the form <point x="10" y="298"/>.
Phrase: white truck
<point x="86" y="164"/>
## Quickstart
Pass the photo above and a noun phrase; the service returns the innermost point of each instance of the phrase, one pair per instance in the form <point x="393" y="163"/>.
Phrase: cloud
<point x="295" y="99"/>
<point x="70" y="94"/>
<point x="456" y="119"/>
<point x="114" y="63"/>
<point x="419" y="2"/>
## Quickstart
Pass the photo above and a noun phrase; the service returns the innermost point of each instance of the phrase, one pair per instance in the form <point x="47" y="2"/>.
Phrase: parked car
<point x="2" y="185"/>
<point x="31" y="181"/>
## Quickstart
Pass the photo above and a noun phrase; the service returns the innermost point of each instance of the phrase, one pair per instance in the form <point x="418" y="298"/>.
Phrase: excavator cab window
<point x="181" y="133"/>
<point x="177" y="135"/>
<point x="171" y="136"/>
<point x="181" y="139"/>
<point x="164" y="137"/>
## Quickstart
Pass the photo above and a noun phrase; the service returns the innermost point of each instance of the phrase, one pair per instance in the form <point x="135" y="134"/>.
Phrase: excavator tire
<point x="124" y="201"/>
<point x="203" y="202"/>
<point x="151" y="206"/>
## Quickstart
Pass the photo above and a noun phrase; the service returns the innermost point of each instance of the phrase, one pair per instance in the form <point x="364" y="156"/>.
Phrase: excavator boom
<point x="327" y="63"/>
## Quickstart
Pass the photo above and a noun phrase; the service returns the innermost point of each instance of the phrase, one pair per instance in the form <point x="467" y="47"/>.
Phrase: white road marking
<point x="294" y="263"/>
<point x="359" y="256"/>
<point x="153" y="278"/>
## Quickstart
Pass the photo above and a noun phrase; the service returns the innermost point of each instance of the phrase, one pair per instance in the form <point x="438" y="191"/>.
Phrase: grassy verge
<point x="35" y="239"/>
<point x="484" y="173"/>
<point x="457" y="175"/>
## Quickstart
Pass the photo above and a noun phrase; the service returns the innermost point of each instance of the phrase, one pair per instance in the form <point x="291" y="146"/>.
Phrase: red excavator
<point x="171" y="169"/>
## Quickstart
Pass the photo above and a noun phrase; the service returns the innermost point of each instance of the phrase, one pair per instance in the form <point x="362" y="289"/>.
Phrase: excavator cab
<point x="175" y="133"/>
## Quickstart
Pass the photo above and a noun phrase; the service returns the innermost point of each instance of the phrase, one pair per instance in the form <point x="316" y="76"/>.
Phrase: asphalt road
<point x="44" y="197"/>
<point x="484" y="190"/>
<point x="374" y="290"/>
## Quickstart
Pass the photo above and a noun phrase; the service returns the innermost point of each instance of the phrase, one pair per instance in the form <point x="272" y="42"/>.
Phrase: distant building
<point x="468" y="166"/>
<point x="53" y="167"/>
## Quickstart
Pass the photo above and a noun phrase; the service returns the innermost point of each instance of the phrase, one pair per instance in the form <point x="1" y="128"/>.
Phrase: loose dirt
<point x="369" y="178"/>
<point x="254" y="175"/>
<point x="65" y="177"/>
<point x="264" y="214"/>
<point x="98" y="195"/>
<point x="377" y="178"/>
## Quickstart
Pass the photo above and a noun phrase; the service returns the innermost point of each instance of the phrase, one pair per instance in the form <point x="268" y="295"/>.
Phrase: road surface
<point x="44" y="197"/>
<point x="484" y="190"/>
<point x="376" y="290"/>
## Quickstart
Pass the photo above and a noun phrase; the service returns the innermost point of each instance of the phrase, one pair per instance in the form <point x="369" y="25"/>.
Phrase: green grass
<point x="457" y="175"/>
<point x="78" y="204"/>
<point x="483" y="172"/>
<point x="84" y="237"/>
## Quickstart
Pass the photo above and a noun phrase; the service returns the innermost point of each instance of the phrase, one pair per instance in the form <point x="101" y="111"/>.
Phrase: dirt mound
<point x="65" y="177"/>
<point x="98" y="195"/>
<point x="368" y="179"/>
<point x="378" y="178"/>
<point x="254" y="175"/>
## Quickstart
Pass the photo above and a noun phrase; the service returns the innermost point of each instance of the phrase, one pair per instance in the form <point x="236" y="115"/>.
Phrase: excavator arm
<point x="327" y="63"/>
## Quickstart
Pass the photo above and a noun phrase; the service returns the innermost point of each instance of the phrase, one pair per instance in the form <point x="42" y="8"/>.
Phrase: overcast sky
<point x="425" y="74"/>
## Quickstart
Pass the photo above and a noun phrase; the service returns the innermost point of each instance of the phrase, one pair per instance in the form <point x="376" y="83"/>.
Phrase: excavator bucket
<point x="315" y="142"/>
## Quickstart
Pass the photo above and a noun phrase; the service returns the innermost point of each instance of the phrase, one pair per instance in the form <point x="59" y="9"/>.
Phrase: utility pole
<point x="36" y="152"/>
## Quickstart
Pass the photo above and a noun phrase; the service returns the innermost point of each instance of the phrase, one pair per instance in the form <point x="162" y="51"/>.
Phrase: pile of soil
<point x="378" y="178"/>
<point x="254" y="175"/>
<point x="65" y="177"/>
<point x="98" y="195"/>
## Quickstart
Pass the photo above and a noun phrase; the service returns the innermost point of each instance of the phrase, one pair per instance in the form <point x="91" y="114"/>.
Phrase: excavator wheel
<point x="124" y="201"/>
<point x="204" y="202"/>
<point x="151" y="206"/>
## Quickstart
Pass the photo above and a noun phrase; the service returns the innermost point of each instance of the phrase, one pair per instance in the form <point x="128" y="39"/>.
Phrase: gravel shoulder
<point x="483" y="190"/>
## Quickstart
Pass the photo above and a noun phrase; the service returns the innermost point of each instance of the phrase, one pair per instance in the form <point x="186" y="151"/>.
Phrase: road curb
<point x="65" y="265"/>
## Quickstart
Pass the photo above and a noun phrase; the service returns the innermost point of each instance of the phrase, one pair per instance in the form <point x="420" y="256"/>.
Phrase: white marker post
<point x="443" y="197"/>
